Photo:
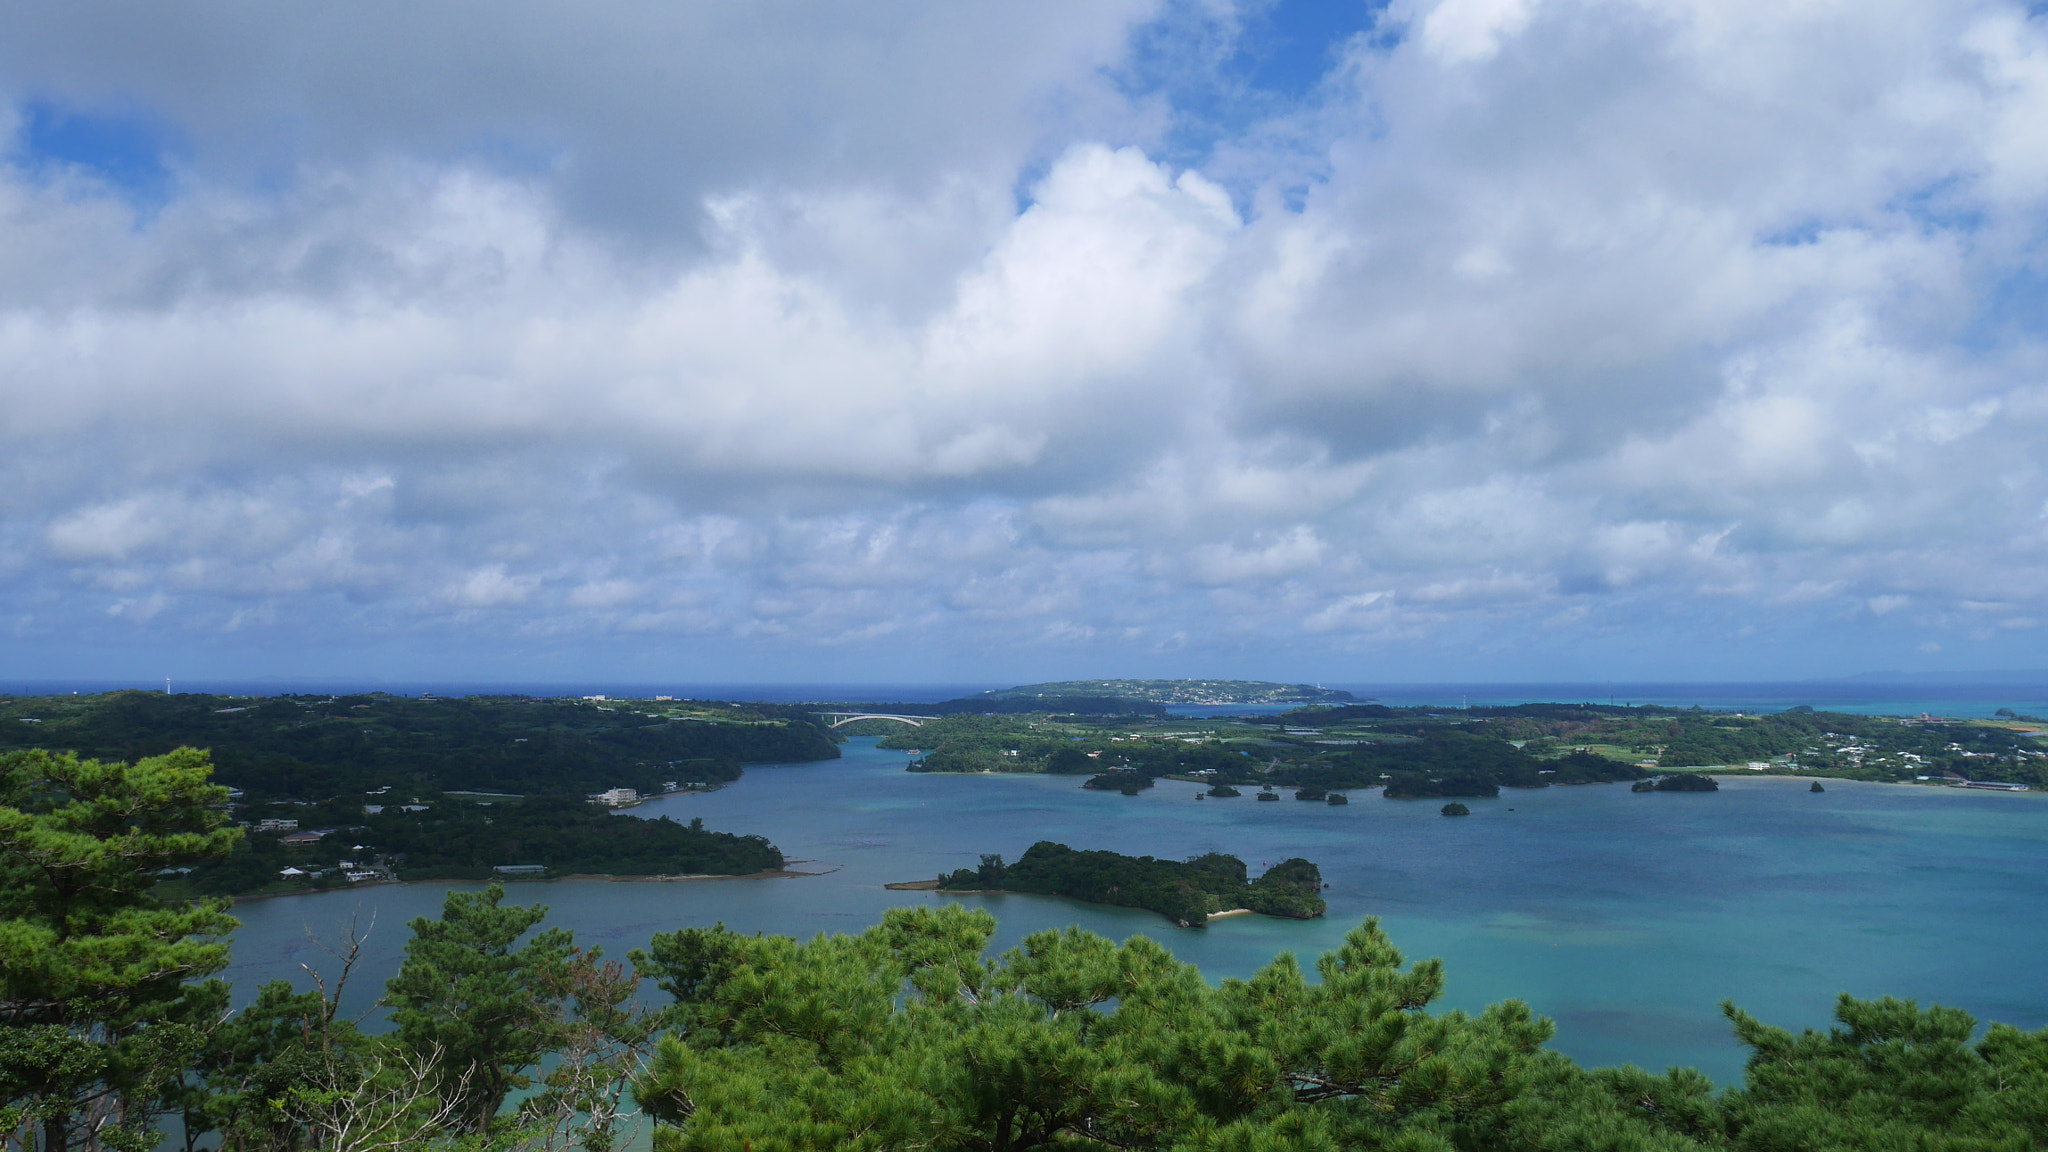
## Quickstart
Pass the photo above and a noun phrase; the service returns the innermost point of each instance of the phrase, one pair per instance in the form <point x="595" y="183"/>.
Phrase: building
<point x="277" y="825"/>
<point x="292" y="874"/>
<point x="302" y="839"/>
<point x="616" y="797"/>
<point x="521" y="869"/>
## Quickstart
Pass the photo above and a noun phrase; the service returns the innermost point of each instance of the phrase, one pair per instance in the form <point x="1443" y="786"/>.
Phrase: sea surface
<point x="1625" y="917"/>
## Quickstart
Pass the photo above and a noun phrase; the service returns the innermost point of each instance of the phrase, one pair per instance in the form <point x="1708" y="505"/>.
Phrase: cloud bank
<point x="1529" y="339"/>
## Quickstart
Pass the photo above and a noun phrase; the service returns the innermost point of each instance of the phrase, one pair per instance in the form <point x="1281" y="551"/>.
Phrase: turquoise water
<point x="1626" y="917"/>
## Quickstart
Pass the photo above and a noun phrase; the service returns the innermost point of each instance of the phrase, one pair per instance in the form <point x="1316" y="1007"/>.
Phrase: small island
<point x="1187" y="892"/>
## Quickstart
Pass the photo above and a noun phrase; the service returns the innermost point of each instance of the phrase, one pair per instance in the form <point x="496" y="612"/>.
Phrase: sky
<point x="955" y="341"/>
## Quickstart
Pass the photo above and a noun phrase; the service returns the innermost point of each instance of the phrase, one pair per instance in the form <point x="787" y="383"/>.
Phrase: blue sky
<point x="1432" y="340"/>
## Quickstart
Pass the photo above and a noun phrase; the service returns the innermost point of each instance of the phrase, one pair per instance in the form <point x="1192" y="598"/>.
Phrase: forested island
<point x="1424" y="753"/>
<point x="334" y="790"/>
<point x="1187" y="892"/>
<point x="505" y="1033"/>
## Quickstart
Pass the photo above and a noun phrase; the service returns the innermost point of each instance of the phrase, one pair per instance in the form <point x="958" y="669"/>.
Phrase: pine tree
<point x="101" y="1004"/>
<point x="474" y="1007"/>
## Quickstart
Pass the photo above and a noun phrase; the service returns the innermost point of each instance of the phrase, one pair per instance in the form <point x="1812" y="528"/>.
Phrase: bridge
<point x="838" y="718"/>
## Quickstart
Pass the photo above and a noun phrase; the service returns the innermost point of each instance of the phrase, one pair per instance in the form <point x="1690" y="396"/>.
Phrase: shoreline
<point x="783" y="873"/>
<point x="933" y="886"/>
<point x="1726" y="773"/>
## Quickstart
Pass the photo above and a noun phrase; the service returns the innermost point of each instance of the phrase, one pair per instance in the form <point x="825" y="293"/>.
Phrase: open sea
<point x="1625" y="917"/>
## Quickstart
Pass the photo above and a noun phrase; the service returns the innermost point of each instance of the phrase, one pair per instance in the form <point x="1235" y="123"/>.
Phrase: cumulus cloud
<point x="760" y="339"/>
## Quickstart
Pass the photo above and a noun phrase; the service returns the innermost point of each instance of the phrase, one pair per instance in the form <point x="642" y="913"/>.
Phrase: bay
<point x="1626" y="917"/>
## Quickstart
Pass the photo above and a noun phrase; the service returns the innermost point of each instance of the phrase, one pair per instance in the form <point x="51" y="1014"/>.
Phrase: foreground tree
<point x="906" y="1036"/>
<point x="101" y="1004"/>
<point x="1892" y="1076"/>
<point x="480" y="1011"/>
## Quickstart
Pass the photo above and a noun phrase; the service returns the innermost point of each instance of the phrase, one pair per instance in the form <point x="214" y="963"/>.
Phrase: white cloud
<point x="894" y="332"/>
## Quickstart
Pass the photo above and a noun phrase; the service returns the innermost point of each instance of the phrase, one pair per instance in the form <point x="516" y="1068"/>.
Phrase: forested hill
<point x="1185" y="891"/>
<point x="306" y="746"/>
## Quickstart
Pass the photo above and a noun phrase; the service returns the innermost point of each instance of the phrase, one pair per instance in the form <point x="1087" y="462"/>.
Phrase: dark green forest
<point x="464" y="840"/>
<point x="499" y="1032"/>
<point x="308" y="747"/>
<point x="419" y="788"/>
<point x="1184" y="891"/>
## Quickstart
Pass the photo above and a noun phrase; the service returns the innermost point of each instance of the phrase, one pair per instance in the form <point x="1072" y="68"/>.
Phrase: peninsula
<point x="336" y="790"/>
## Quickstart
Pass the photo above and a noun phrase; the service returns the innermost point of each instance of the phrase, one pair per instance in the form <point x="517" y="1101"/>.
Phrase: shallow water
<point x="1626" y="917"/>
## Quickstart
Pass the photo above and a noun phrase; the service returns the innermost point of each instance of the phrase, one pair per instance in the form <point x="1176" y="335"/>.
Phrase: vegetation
<point x="1127" y="782"/>
<point x="1419" y="753"/>
<point x="1456" y="809"/>
<point x="311" y="747"/>
<point x="1186" y="892"/>
<point x="381" y="776"/>
<point x="103" y="996"/>
<point x="1687" y="782"/>
<point x="908" y="1035"/>
<point x="455" y="839"/>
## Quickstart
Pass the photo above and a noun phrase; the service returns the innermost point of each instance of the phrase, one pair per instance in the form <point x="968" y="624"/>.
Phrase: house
<point x="360" y="875"/>
<point x="302" y="839"/>
<point x="292" y="874"/>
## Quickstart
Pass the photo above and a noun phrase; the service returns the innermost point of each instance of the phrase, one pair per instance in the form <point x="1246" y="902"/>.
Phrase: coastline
<point x="1724" y="772"/>
<point x="933" y="886"/>
<point x="782" y="873"/>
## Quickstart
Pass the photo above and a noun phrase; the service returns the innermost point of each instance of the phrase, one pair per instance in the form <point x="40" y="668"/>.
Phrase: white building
<point x="615" y="797"/>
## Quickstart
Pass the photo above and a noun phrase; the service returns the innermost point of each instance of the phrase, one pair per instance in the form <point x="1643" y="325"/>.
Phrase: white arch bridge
<point x="838" y="718"/>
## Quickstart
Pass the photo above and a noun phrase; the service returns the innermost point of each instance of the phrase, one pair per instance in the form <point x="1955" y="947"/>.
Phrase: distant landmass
<point x="1179" y="692"/>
